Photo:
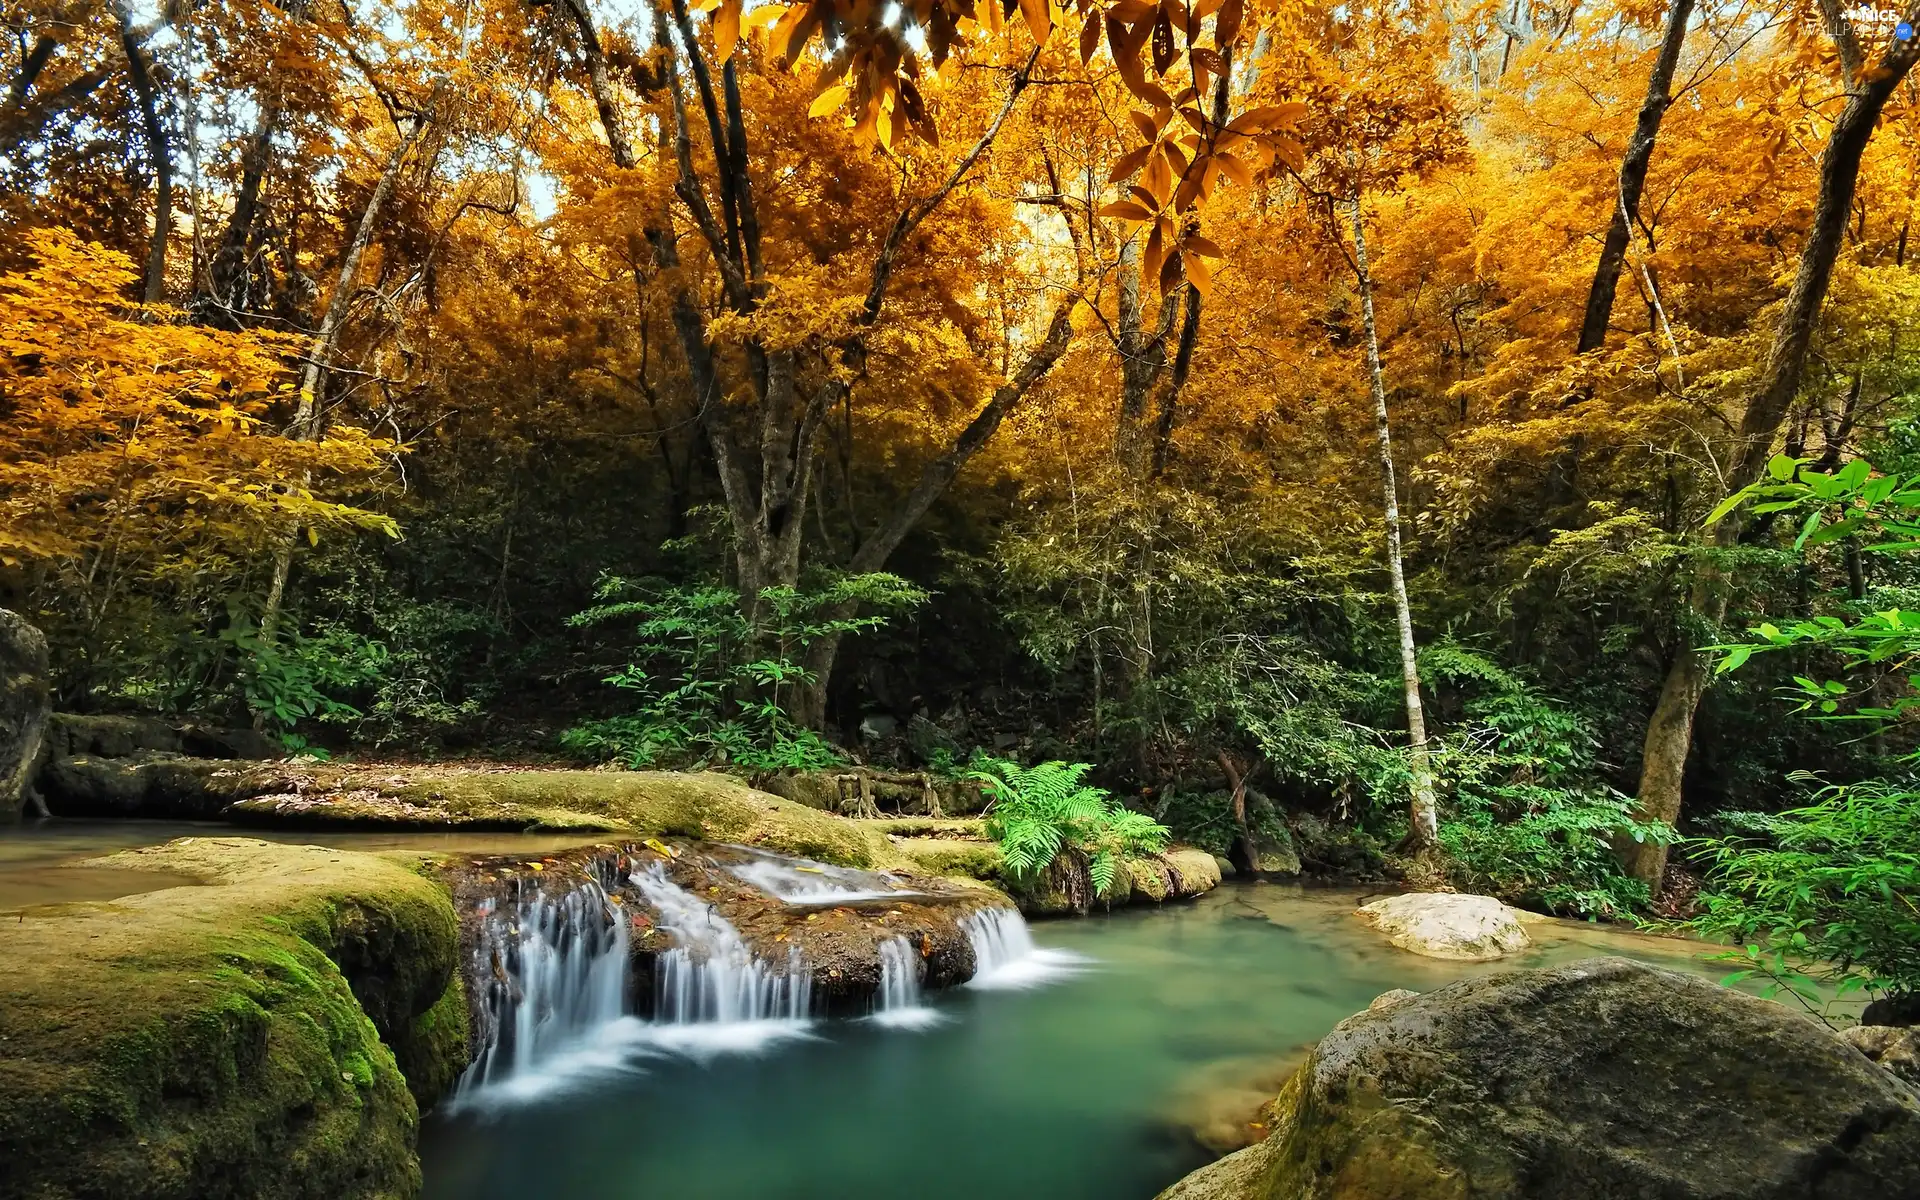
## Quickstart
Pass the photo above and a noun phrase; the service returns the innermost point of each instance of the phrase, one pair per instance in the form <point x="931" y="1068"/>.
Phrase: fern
<point x="1037" y="812"/>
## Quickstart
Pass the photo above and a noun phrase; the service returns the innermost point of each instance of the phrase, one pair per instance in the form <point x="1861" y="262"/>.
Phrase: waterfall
<point x="554" y="972"/>
<point x="711" y="991"/>
<point x="1004" y="956"/>
<point x="897" y="1003"/>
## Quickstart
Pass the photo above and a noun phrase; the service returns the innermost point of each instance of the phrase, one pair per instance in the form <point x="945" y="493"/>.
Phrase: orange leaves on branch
<point x="1170" y="177"/>
<point x="873" y="49"/>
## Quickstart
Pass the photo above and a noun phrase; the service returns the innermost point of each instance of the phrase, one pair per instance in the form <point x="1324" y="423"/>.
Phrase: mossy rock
<point x="1194" y="872"/>
<point x="1593" y="1081"/>
<point x="1148" y="880"/>
<point x="952" y="857"/>
<point x="702" y="806"/>
<point x="236" y="1039"/>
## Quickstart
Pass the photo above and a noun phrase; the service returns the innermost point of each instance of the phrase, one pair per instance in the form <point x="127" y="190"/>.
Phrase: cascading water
<point x="710" y="990"/>
<point x="549" y="976"/>
<point x="897" y="1004"/>
<point x="1004" y="955"/>
<point x="803" y="881"/>
<point x="555" y="972"/>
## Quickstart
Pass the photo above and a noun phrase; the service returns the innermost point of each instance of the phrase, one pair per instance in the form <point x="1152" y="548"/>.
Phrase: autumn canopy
<point x="1322" y="399"/>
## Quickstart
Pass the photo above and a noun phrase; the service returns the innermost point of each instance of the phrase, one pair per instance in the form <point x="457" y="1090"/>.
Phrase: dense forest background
<point x="577" y="379"/>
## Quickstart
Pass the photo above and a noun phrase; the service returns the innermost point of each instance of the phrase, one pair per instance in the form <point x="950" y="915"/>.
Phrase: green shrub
<point x="1529" y="817"/>
<point x="1035" y="813"/>
<point x="712" y="686"/>
<point x="1836" y="883"/>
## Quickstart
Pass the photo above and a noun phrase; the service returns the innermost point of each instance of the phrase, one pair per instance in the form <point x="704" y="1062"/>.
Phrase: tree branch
<point x="936" y="475"/>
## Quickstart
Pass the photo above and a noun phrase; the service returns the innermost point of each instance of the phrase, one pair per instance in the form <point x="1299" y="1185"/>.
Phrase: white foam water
<point x="803" y="881"/>
<point x="711" y="991"/>
<point x="555" y="995"/>
<point x="1005" y="957"/>
<point x="898" y="1003"/>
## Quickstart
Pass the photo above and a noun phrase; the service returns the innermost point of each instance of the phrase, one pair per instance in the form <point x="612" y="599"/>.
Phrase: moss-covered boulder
<point x="1595" y="1081"/>
<point x="244" y="1038"/>
<point x="1191" y="872"/>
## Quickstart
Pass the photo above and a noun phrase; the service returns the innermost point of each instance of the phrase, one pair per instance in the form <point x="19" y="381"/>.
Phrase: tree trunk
<point x="159" y="150"/>
<point x="1423" y="816"/>
<point x="306" y="416"/>
<point x="1670" y="730"/>
<point x="811" y="697"/>
<point x="25" y="705"/>
<point x="767" y="508"/>
<point x="1633" y="178"/>
<point x="228" y="298"/>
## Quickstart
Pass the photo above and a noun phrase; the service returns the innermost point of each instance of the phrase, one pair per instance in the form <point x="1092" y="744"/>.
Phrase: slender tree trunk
<point x="307" y="415"/>
<point x="1633" y="177"/>
<point x="160" y="151"/>
<point x="1424" y="817"/>
<point x="1670" y="730"/>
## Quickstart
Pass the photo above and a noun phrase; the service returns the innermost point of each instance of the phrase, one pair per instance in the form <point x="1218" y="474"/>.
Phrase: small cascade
<point x="898" y="1004"/>
<point x="803" y="881"/>
<point x="551" y="972"/>
<point x="710" y="987"/>
<point x="1005" y="957"/>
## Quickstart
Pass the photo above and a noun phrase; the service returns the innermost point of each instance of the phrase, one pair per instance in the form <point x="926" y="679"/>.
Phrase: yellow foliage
<point x="126" y="432"/>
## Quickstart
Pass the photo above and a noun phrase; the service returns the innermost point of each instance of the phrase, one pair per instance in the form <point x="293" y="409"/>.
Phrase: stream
<point x="1090" y="1061"/>
<point x="1078" y="1067"/>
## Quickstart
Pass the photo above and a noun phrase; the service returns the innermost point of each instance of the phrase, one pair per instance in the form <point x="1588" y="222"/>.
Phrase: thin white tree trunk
<point x="1423" y="823"/>
<point x="306" y="415"/>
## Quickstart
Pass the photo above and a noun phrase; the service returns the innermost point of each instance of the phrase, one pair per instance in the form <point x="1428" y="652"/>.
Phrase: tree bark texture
<point x="1670" y="730"/>
<point x="159" y="149"/>
<point x="1423" y="815"/>
<point x="1633" y="178"/>
<point x="26" y="703"/>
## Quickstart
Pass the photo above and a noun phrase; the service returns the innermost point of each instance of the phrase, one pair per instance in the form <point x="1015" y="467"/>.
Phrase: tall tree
<point x="1633" y="177"/>
<point x="159" y="154"/>
<point x="1869" y="82"/>
<point x="1423" y="823"/>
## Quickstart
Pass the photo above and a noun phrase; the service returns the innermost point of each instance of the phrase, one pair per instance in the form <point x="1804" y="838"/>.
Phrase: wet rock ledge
<point x="271" y="1033"/>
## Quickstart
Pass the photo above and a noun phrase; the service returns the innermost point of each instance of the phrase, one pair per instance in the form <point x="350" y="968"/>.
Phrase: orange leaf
<point x="1126" y="210"/>
<point x="1157" y="178"/>
<point x="1257" y="120"/>
<point x="828" y="101"/>
<point x="726" y="29"/>
<point x="1227" y="27"/>
<point x="1039" y="15"/>
<point x="1129" y="162"/>
<point x="1234" y="169"/>
<point x="1199" y="274"/>
<point x="1153" y="255"/>
<point x="1170" y="273"/>
<point x="1202" y="246"/>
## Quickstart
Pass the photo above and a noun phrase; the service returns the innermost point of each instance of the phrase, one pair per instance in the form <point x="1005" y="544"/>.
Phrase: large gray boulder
<point x="1602" y="1080"/>
<point x="25" y="705"/>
